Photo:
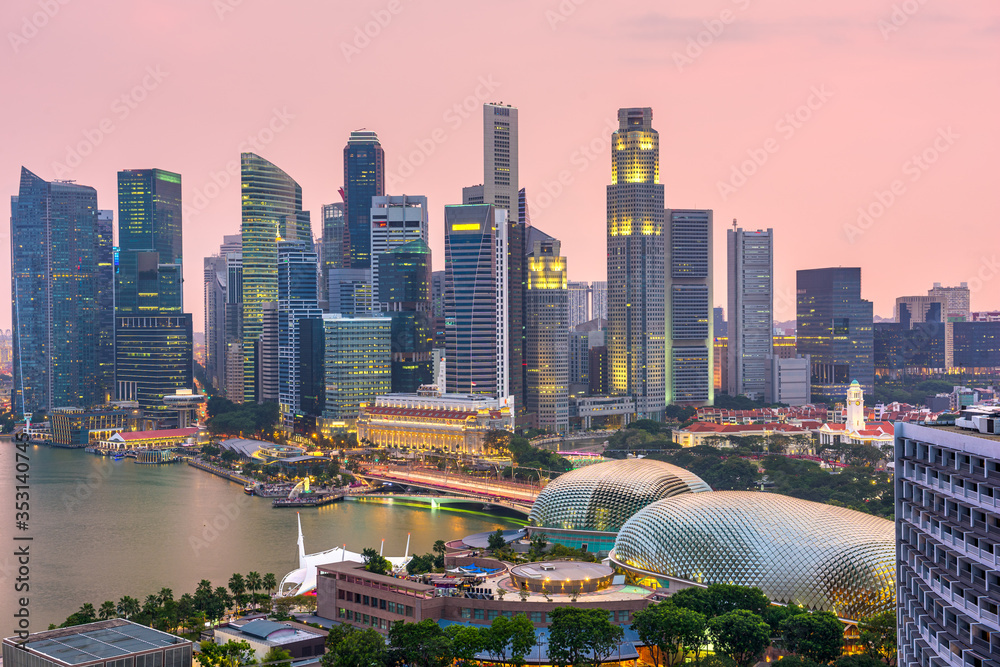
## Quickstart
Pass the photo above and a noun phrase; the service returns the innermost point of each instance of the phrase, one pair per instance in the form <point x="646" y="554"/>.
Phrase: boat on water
<point x="302" y="580"/>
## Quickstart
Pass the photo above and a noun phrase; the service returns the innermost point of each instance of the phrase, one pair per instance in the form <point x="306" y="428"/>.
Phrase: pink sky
<point x="887" y="81"/>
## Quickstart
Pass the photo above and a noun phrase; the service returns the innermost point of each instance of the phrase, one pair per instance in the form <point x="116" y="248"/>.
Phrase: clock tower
<point x="855" y="407"/>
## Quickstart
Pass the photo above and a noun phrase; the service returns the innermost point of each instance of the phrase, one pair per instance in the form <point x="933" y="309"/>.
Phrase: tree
<point x="277" y="657"/>
<point x="87" y="613"/>
<point x="495" y="542"/>
<point x="238" y="587"/>
<point x="230" y="654"/>
<point x="466" y="642"/>
<point x="439" y="548"/>
<point x="724" y="598"/>
<point x="775" y="614"/>
<point x="735" y="474"/>
<point x="857" y="661"/>
<point x="797" y="661"/>
<point x="269" y="582"/>
<point x="741" y="635"/>
<point x="509" y="640"/>
<point x="670" y="630"/>
<point x="581" y="637"/>
<point x="695" y="599"/>
<point x="375" y="563"/>
<point x="878" y="637"/>
<point x="128" y="607"/>
<point x="165" y="595"/>
<point x="349" y="647"/>
<point x="254" y="582"/>
<point x="818" y="636"/>
<point x="422" y="644"/>
<point x="218" y="603"/>
<point x="107" y="610"/>
<point x="150" y="606"/>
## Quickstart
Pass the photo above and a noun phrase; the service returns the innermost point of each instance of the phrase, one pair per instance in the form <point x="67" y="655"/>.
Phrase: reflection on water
<point x="103" y="529"/>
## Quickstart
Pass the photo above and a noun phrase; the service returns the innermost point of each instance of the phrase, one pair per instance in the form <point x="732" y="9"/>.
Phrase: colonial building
<point x="854" y="431"/>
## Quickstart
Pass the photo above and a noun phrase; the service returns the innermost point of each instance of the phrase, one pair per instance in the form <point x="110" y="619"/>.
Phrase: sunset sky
<point x="784" y="114"/>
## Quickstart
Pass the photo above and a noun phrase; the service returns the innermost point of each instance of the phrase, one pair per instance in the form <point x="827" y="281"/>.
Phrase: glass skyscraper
<point x="334" y="239"/>
<point x="297" y="300"/>
<point x="271" y="211"/>
<point x="834" y="326"/>
<point x="404" y="289"/>
<point x="751" y="306"/>
<point x="636" y="252"/>
<point x="546" y="347"/>
<point x="56" y="254"/>
<point x="364" y="176"/>
<point x="106" y="299"/>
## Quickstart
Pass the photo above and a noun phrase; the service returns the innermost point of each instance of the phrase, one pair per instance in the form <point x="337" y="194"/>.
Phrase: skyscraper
<point x="364" y="178"/>
<point x="153" y="335"/>
<point x="357" y="363"/>
<point x="599" y="300"/>
<point x="404" y="289"/>
<point x="547" y="339"/>
<point x="690" y="341"/>
<point x="751" y="309"/>
<point x="957" y="299"/>
<point x="234" y="326"/>
<point x="636" y="263"/>
<point x="217" y="307"/>
<point x="297" y="300"/>
<point x="834" y="327"/>
<point x="106" y="300"/>
<point x="395" y="221"/>
<point x="271" y="211"/>
<point x="55" y="280"/>
<point x="475" y="247"/>
<point x="579" y="303"/>
<point x="500" y="183"/>
<point x="334" y="244"/>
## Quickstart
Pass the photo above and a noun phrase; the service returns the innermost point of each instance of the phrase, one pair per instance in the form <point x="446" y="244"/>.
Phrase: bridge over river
<point x="455" y="486"/>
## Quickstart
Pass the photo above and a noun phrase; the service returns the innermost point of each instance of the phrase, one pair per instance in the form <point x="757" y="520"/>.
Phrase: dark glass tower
<point x="297" y="300"/>
<point x="404" y="288"/>
<point x="271" y="211"/>
<point x="364" y="178"/>
<point x="834" y="327"/>
<point x="153" y="336"/>
<point x="55" y="276"/>
<point x="106" y="299"/>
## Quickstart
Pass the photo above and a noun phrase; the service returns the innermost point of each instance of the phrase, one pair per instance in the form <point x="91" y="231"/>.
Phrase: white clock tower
<point x="855" y="407"/>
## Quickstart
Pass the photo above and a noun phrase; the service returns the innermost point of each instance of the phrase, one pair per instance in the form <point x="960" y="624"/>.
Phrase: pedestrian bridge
<point x="438" y="501"/>
<point x="451" y="484"/>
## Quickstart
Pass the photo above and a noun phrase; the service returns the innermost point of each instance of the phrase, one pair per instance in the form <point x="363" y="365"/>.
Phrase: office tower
<point x="598" y="372"/>
<point x="404" y="289"/>
<point x="473" y="194"/>
<point x="395" y="220"/>
<point x="834" y="327"/>
<point x="312" y="371"/>
<point x="500" y="181"/>
<point x="233" y="336"/>
<point x="357" y="363"/>
<point x="106" y="301"/>
<point x="350" y="291"/>
<point x="583" y="338"/>
<point x="720" y="364"/>
<point x="55" y="280"/>
<point x="636" y="264"/>
<point x="788" y="381"/>
<point x="437" y="293"/>
<point x="579" y="303"/>
<point x="977" y="346"/>
<point x="268" y="383"/>
<point x="546" y="315"/>
<point x="599" y="300"/>
<point x="957" y="299"/>
<point x="690" y="345"/>
<point x="524" y="215"/>
<point x="922" y="313"/>
<point x="153" y="335"/>
<point x="751" y="309"/>
<point x="271" y="211"/>
<point x="784" y="347"/>
<point x="902" y="348"/>
<point x="297" y="300"/>
<point x="364" y="178"/>
<point x="946" y="521"/>
<point x="475" y="247"/>
<point x="334" y="244"/>
<point x="216" y="276"/>
<point x="719" y="324"/>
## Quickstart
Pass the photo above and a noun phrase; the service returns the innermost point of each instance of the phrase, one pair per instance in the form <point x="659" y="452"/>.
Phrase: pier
<point x="316" y="500"/>
<point x="228" y="474"/>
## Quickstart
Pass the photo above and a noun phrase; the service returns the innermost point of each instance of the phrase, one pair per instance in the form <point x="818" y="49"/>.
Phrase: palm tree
<point x="238" y="588"/>
<point x="254" y="583"/>
<point x="87" y="613"/>
<point x="269" y="582"/>
<point x="128" y="606"/>
<point x="150" y="607"/>
<point x="107" y="610"/>
<point x="165" y="595"/>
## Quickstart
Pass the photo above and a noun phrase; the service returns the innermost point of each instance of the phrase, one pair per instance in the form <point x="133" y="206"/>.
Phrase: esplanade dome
<point x="603" y="496"/>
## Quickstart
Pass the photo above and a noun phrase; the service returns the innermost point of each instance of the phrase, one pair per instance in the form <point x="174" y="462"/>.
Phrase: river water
<point x="102" y="529"/>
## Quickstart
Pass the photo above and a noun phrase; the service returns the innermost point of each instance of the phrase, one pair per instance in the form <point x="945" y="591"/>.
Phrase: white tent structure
<point x="303" y="579"/>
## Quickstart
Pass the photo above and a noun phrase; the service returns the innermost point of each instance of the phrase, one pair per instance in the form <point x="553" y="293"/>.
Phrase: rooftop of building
<point x="559" y="570"/>
<point x="100" y="641"/>
<point x="157" y="435"/>
<point x="272" y="632"/>
<point x="951" y="428"/>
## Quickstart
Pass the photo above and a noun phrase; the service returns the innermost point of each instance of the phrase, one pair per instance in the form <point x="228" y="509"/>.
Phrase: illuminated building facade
<point x="357" y="363"/>
<point x="431" y="420"/>
<point x="395" y="220"/>
<point x="297" y="300"/>
<point x="977" y="346"/>
<point x="334" y="243"/>
<point x="56" y="286"/>
<point x="154" y="358"/>
<point x="364" y="176"/>
<point x="579" y="302"/>
<point x="223" y="282"/>
<point x="834" y="327"/>
<point x="476" y="323"/>
<point x="690" y="344"/>
<point x="636" y="254"/>
<point x="404" y="277"/>
<point x="271" y="211"/>
<point x="599" y="299"/>
<point x="106" y="301"/>
<point x="957" y="300"/>
<point x="547" y="339"/>
<point x="751" y="310"/>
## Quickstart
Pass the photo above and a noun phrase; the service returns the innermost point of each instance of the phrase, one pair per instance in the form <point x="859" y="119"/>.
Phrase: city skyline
<point x="859" y="124"/>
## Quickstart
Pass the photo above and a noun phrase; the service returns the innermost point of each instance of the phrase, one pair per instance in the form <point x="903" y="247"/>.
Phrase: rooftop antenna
<point x="734" y="224"/>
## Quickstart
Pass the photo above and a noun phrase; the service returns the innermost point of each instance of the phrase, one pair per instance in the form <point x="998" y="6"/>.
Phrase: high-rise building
<point x="636" y="298"/>
<point x="500" y="168"/>
<point x="56" y="285"/>
<point x="404" y="287"/>
<point x="476" y="303"/>
<point x="233" y="337"/>
<point x="271" y="211"/>
<point x="395" y="221"/>
<point x="473" y="194"/>
<point x="357" y="363"/>
<point x="599" y="300"/>
<point x="297" y="300"/>
<point x="946" y="485"/>
<point x="153" y="335"/>
<point x="546" y="314"/>
<point x="579" y="303"/>
<point x="751" y="310"/>
<point x="834" y="327"/>
<point x="690" y="343"/>
<point x="719" y="324"/>
<point x="268" y="370"/>
<point x="957" y="298"/>
<point x="437" y="293"/>
<point x="364" y="178"/>
<point x="217" y="309"/>
<point x="106" y="300"/>
<point x="350" y="292"/>
<point x="334" y="244"/>
<point x="977" y="346"/>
